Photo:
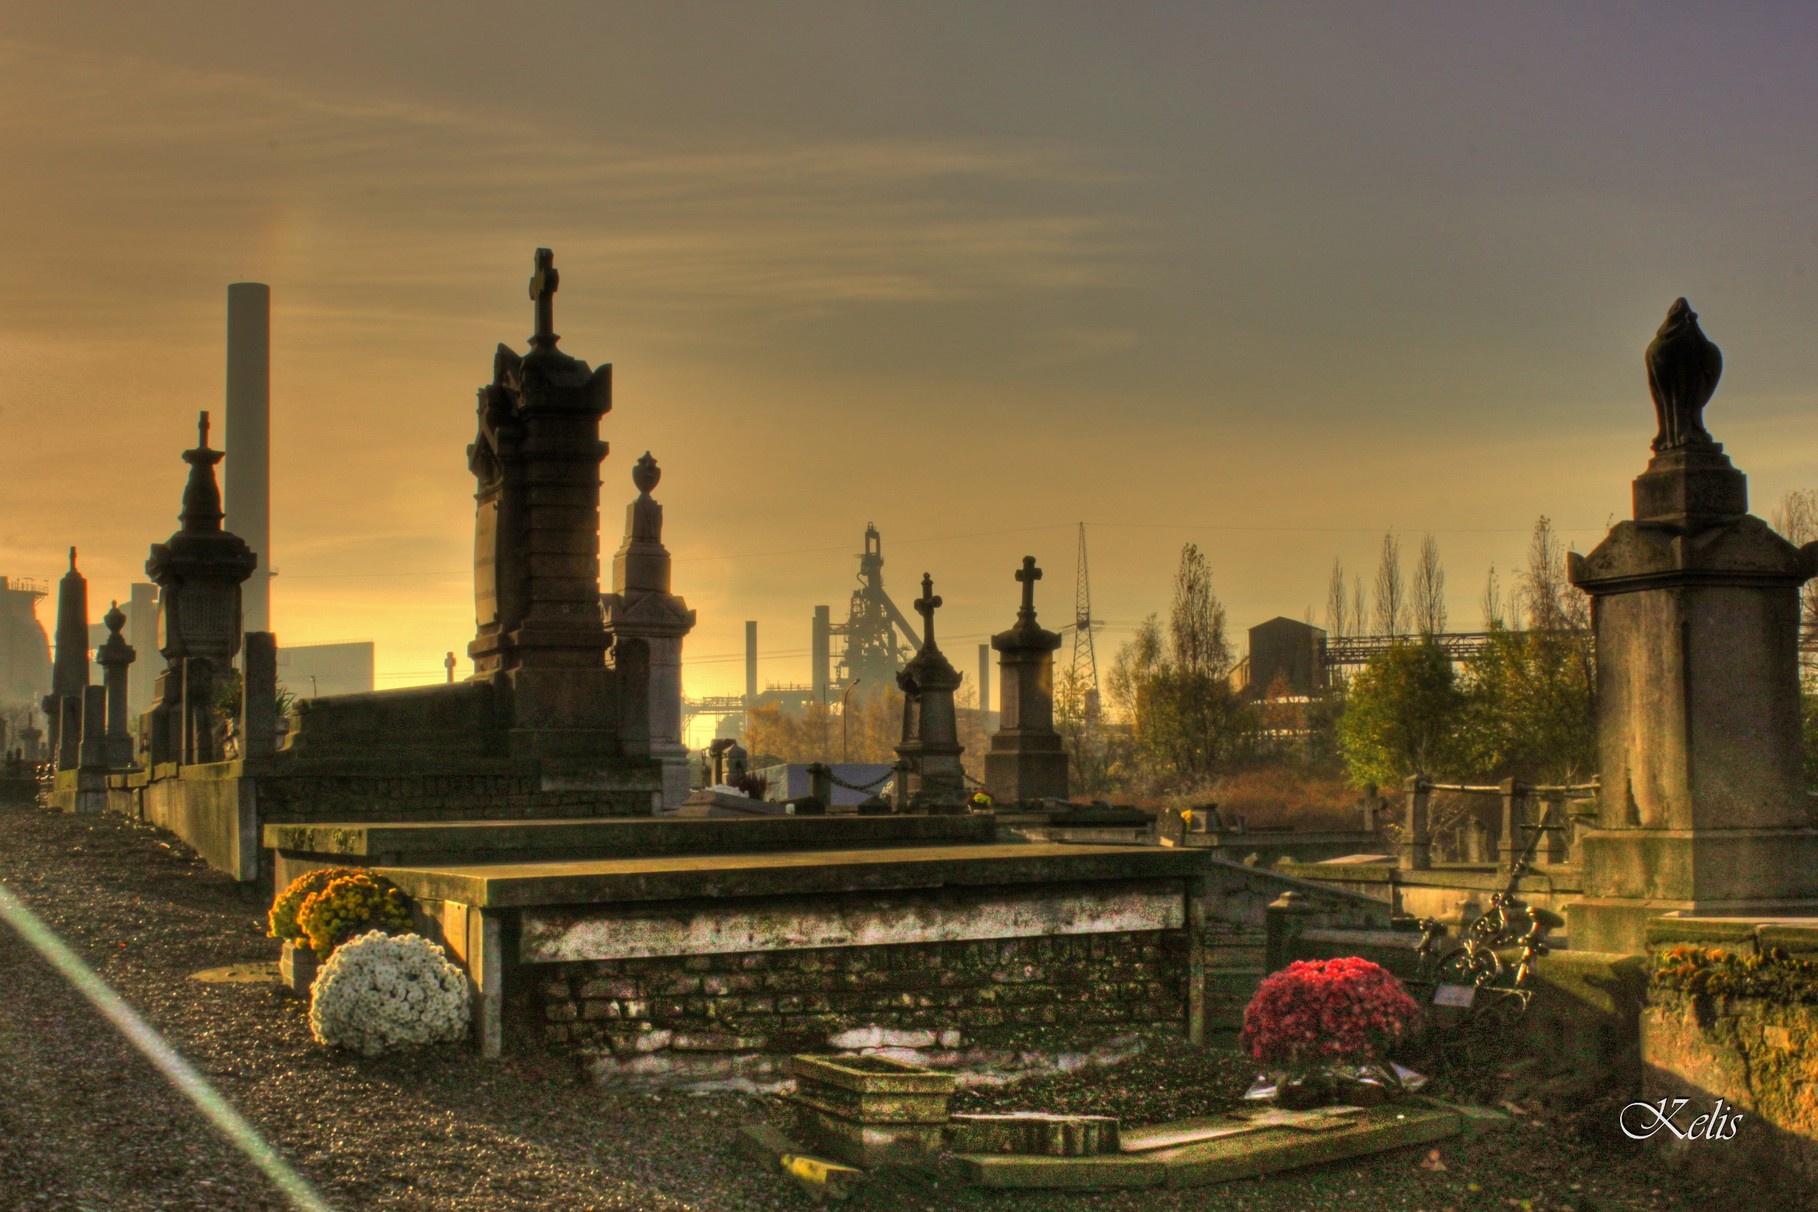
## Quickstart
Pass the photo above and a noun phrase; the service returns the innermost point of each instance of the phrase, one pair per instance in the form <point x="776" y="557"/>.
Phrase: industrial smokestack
<point x="142" y="634"/>
<point x="820" y="654"/>
<point x="984" y="678"/>
<point x="750" y="662"/>
<point x="248" y="444"/>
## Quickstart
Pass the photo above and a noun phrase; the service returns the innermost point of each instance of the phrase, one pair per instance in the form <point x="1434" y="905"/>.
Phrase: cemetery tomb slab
<point x="1283" y="1141"/>
<point x="1033" y="1132"/>
<point x="683" y="877"/>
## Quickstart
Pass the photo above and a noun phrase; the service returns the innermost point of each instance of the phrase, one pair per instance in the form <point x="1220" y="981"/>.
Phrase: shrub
<point x="349" y="905"/>
<point x="1774" y="976"/>
<point x="380" y="991"/>
<point x="1315" y="1011"/>
<point x="282" y="920"/>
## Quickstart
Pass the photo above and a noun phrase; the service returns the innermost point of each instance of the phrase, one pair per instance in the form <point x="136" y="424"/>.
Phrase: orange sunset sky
<point x="1270" y="279"/>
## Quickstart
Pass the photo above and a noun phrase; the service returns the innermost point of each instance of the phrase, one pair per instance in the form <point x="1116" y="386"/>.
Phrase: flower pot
<point x="1302" y="1091"/>
<point x="297" y="967"/>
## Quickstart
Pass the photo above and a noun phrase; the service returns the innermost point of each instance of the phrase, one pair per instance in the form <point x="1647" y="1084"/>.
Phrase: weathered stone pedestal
<point x="1695" y="606"/>
<point x="1026" y="760"/>
<point x="870" y="1110"/>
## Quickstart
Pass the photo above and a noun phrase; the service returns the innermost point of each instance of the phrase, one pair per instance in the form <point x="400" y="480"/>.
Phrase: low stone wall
<point x="1759" y="1056"/>
<point x="1447" y="892"/>
<point x="731" y="1018"/>
<point x="512" y="791"/>
<point x="1760" y="1059"/>
<point x="452" y="723"/>
<point x="219" y="808"/>
<point x="209" y="807"/>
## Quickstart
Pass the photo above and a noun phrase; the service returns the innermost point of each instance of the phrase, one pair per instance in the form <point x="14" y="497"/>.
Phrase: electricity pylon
<point x="1084" y="671"/>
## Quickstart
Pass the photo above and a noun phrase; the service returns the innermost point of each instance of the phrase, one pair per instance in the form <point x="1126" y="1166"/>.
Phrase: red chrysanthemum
<point x="1342" y="1010"/>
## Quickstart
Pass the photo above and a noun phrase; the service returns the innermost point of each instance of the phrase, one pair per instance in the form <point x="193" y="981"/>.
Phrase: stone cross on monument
<point x="930" y="745"/>
<point x="538" y="635"/>
<point x="1026" y="760"/>
<point x="925" y="606"/>
<point x="543" y="285"/>
<point x="1028" y="574"/>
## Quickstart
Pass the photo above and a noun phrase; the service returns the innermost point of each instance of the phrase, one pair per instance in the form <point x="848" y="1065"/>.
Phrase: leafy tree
<point x="1174" y="689"/>
<point x="1532" y="709"/>
<point x="1402" y="716"/>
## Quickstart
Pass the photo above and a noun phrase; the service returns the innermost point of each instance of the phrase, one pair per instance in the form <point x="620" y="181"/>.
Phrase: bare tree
<point x="1196" y="624"/>
<point x="1492" y="601"/>
<point x="1338" y="608"/>
<point x="1391" y="589"/>
<point x="1429" y="604"/>
<point x="1549" y="602"/>
<point x="1359" y="616"/>
<point x="1797" y="520"/>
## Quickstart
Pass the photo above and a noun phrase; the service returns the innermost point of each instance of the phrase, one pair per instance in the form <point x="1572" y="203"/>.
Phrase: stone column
<point x="93" y="755"/>
<point x="647" y="623"/>
<point x="1416" y="840"/>
<point x="259" y="695"/>
<point x="1695" y="608"/>
<point x="29" y="740"/>
<point x="69" y="732"/>
<point x="1026" y="760"/>
<point x="1284" y="920"/>
<point x="1514" y="816"/>
<point x="115" y="657"/>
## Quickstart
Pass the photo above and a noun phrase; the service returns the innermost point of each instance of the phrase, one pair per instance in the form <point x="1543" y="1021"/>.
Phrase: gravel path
<point x="86" y="1123"/>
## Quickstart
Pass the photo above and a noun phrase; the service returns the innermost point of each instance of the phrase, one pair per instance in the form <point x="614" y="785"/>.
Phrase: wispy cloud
<point x="171" y="171"/>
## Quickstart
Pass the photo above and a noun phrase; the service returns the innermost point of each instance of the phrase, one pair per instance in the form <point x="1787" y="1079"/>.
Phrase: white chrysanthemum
<point x="382" y="991"/>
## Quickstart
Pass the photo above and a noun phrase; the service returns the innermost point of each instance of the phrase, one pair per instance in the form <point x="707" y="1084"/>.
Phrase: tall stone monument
<point x="540" y="638"/>
<point x="69" y="671"/>
<point x="1695" y="608"/>
<point x="647" y="623"/>
<point x="1026" y="760"/>
<point x="198" y="571"/>
<point x="930" y="743"/>
<point x="115" y="656"/>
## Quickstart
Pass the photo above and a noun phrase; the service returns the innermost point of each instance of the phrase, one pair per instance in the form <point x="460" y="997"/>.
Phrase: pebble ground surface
<point x="87" y="1124"/>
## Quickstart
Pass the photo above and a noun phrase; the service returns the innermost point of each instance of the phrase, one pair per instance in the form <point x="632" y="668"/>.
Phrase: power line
<point x="986" y="534"/>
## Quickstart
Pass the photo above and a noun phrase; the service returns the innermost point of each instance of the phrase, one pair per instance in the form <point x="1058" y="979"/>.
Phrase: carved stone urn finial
<point x="646" y="474"/>
<point x="1683" y="369"/>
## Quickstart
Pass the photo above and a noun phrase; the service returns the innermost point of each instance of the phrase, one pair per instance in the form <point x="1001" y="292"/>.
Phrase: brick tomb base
<point x="994" y="1004"/>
